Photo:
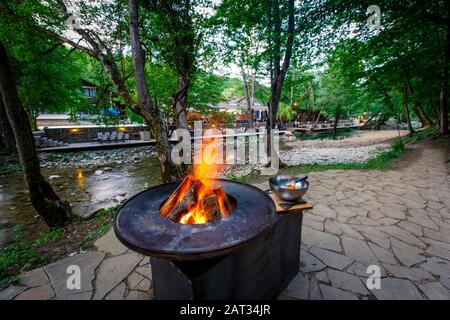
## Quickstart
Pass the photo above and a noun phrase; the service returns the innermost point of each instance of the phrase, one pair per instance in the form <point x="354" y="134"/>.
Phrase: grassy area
<point x="9" y="162"/>
<point x="21" y="255"/>
<point x="382" y="162"/>
<point x="341" y="133"/>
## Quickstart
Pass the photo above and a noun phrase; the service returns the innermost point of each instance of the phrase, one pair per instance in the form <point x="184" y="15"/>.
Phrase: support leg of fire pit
<point x="261" y="269"/>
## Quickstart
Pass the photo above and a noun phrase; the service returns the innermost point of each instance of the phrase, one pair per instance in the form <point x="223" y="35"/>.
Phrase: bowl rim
<point x="279" y="187"/>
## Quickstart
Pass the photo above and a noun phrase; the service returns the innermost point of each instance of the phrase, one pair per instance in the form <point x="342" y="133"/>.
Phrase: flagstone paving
<point x="398" y="220"/>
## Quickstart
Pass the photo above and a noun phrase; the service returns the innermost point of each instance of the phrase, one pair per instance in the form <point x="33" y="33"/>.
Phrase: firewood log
<point x="210" y="205"/>
<point x="185" y="203"/>
<point x="224" y="204"/>
<point x="179" y="192"/>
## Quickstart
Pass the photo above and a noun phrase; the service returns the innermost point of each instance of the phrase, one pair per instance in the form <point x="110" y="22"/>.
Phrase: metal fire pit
<point x="252" y="254"/>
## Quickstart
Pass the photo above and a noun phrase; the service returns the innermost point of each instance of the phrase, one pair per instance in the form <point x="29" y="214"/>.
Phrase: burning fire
<point x="197" y="214"/>
<point x="196" y="200"/>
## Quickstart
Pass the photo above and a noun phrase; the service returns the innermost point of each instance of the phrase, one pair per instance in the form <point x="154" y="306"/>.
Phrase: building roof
<point x="53" y="116"/>
<point x="240" y="103"/>
<point x="85" y="83"/>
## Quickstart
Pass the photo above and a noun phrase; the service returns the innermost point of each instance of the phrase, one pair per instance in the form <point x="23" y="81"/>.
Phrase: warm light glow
<point x="81" y="179"/>
<point x="74" y="130"/>
<point x="204" y="172"/>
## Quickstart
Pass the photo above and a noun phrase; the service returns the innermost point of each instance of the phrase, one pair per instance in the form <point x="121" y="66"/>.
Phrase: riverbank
<point x="359" y="147"/>
<point x="397" y="219"/>
<point x="96" y="180"/>
<point x="371" y="149"/>
<point x="97" y="158"/>
<point x="358" y="138"/>
<point x="93" y="180"/>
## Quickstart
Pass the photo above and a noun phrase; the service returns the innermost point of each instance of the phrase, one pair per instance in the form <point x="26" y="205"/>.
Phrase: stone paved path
<point x="398" y="220"/>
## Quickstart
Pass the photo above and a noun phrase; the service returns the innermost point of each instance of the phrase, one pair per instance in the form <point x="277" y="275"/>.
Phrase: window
<point x="89" y="92"/>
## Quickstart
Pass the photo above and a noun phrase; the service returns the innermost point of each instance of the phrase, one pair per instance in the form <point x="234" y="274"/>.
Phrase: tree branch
<point x="70" y="42"/>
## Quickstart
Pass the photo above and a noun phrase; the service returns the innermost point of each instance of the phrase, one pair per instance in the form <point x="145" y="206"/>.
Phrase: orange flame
<point x="205" y="171"/>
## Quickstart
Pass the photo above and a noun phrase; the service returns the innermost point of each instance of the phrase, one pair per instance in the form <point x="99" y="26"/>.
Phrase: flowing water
<point x="328" y="135"/>
<point x="85" y="191"/>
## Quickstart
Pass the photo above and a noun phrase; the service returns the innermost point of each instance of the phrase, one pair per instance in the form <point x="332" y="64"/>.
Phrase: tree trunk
<point x="169" y="170"/>
<point x="54" y="211"/>
<point x="369" y="121"/>
<point x="318" y="117"/>
<point x="152" y="116"/>
<point x="248" y="98"/>
<point x="388" y="101"/>
<point x="32" y="117"/>
<point x="253" y="87"/>
<point x="6" y="133"/>
<point x="381" y="119"/>
<point x="179" y="16"/>
<point x="279" y="72"/>
<point x="436" y="111"/>
<point x="424" y="120"/>
<point x="179" y="99"/>
<point x="336" y="120"/>
<point x="406" y="109"/>
<point x="443" y="97"/>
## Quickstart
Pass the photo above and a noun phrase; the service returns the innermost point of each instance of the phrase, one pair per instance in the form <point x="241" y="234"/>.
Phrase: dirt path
<point x="396" y="220"/>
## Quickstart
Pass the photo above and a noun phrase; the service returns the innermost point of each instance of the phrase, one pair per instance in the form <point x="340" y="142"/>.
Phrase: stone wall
<point x="89" y="134"/>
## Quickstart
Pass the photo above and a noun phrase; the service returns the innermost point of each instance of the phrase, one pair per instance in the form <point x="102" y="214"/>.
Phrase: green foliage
<point x="54" y="234"/>
<point x="21" y="254"/>
<point x="99" y="226"/>
<point x="93" y="235"/>
<point x="47" y="76"/>
<point x="359" y="70"/>
<point x="341" y="133"/>
<point x="18" y="256"/>
<point x="297" y="82"/>
<point x="429" y="133"/>
<point x="207" y="90"/>
<point x="285" y="113"/>
<point x="9" y="161"/>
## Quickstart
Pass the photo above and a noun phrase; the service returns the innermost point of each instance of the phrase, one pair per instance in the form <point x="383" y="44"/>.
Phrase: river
<point x="85" y="191"/>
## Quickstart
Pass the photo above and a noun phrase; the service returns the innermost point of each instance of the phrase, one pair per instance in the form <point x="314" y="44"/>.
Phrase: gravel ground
<point x="308" y="155"/>
<point x="99" y="158"/>
<point x="360" y="147"/>
<point x="358" y="139"/>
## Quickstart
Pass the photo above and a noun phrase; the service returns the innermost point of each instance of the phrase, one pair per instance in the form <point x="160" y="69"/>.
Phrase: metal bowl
<point x="278" y="183"/>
